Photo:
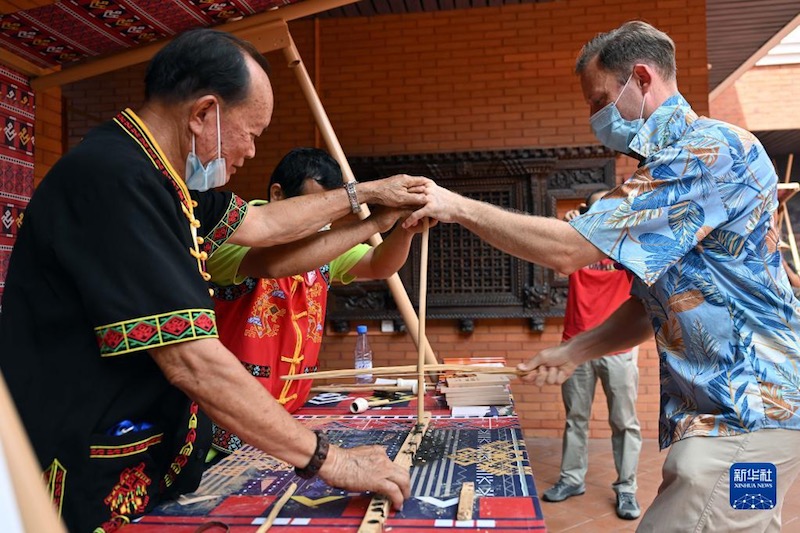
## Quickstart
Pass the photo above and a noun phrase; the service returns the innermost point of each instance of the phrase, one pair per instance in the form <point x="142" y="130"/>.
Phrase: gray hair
<point x="618" y="50"/>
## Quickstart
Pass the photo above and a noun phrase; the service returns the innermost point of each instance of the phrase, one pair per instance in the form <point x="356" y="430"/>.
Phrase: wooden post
<point x="395" y="284"/>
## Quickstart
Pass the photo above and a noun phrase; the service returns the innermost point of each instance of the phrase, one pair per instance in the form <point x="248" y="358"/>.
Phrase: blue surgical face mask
<point x="215" y="174"/>
<point x="614" y="131"/>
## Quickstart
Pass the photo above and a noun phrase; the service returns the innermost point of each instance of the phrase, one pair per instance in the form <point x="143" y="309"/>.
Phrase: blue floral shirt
<point x="695" y="224"/>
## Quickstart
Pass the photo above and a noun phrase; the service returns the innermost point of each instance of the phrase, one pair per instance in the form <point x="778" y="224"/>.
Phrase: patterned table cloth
<point x="489" y="451"/>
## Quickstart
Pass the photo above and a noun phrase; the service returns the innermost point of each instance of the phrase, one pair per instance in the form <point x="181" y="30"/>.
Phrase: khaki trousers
<point x="619" y="376"/>
<point x="694" y="495"/>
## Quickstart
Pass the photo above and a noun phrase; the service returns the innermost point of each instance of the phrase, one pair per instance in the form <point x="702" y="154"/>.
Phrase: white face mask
<point x="614" y="131"/>
<point x="215" y="174"/>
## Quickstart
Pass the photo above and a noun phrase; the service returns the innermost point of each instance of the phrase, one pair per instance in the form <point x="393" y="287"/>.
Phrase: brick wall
<point x="390" y="88"/>
<point x="486" y="78"/>
<point x="750" y="101"/>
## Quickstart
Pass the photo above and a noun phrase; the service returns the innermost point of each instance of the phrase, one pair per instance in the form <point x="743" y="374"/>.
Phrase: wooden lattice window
<point x="467" y="278"/>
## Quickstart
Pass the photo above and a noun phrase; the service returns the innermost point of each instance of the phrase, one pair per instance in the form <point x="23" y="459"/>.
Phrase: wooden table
<point x="489" y="451"/>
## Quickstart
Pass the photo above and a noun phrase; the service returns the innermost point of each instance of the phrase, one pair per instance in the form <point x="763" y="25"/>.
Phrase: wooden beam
<point x="247" y="28"/>
<point x="267" y="37"/>
<point x="276" y="509"/>
<point x="753" y="59"/>
<point x="12" y="6"/>
<point x="22" y="65"/>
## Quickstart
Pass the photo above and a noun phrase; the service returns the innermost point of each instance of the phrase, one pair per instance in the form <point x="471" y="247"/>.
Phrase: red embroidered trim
<point x="55" y="477"/>
<point x="101" y="452"/>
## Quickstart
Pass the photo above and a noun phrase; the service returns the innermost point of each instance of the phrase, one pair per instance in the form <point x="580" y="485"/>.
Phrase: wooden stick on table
<point x="378" y="510"/>
<point x="276" y="509"/>
<point x="407" y="370"/>
<point x="360" y="388"/>
<point x="466" y="500"/>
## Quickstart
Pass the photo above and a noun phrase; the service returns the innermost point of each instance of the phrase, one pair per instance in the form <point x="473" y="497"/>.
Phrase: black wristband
<point x="320" y="454"/>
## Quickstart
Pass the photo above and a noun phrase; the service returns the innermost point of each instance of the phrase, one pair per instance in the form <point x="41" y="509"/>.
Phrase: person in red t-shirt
<point x="595" y="292"/>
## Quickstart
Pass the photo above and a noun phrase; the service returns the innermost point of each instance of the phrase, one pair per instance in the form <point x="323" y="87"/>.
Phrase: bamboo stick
<point x="276" y="509"/>
<point x="360" y="388"/>
<point x="410" y="370"/>
<point x="466" y="500"/>
<point x="36" y="509"/>
<point x="423" y="292"/>
<point x="378" y="510"/>
<point x="396" y="287"/>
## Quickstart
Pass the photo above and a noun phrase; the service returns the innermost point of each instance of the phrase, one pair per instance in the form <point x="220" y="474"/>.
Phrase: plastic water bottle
<point x="363" y="355"/>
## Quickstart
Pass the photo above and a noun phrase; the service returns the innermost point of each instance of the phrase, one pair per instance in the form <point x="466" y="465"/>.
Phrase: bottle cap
<point x="361" y="329"/>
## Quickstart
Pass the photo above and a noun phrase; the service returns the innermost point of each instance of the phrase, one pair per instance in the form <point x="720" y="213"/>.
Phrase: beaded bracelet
<point x="320" y="454"/>
<point x="350" y="187"/>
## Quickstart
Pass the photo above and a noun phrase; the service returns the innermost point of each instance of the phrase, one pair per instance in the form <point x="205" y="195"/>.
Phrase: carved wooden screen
<point x="467" y="278"/>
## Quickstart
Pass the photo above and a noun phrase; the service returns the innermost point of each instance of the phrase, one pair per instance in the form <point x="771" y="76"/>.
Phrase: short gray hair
<point x="633" y="42"/>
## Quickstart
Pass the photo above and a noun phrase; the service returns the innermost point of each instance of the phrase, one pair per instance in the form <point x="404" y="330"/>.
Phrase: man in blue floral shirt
<point x="695" y="225"/>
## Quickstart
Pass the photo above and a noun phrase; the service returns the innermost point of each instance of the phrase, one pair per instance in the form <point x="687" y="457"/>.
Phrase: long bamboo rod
<point x="356" y="388"/>
<point x="36" y="510"/>
<point x="410" y="370"/>
<point x="332" y="142"/>
<point x="276" y="509"/>
<point x="423" y="304"/>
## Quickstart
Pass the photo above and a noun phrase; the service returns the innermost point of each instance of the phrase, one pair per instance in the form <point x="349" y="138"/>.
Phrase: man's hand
<point x="395" y="191"/>
<point x="386" y="217"/>
<point x="552" y="365"/>
<point x="440" y="204"/>
<point x="366" y="468"/>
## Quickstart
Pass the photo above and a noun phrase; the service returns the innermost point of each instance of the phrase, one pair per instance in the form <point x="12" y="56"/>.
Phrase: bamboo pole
<point x="276" y="509"/>
<point x="36" y="510"/>
<point x="332" y="142"/>
<point x="408" y="370"/>
<point x="353" y="388"/>
<point x="423" y="292"/>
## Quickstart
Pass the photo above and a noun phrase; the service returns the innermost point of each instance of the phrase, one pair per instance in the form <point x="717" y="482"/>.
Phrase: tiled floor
<point x="593" y="512"/>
